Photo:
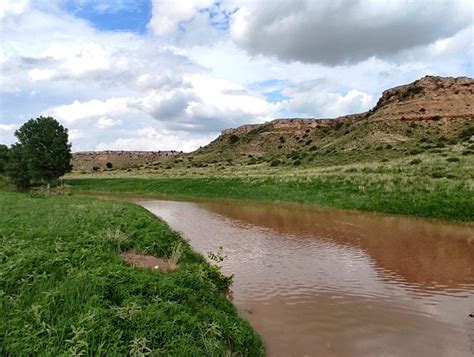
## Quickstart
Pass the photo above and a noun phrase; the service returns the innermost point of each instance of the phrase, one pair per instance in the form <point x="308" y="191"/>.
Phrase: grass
<point x="64" y="289"/>
<point x="423" y="169"/>
<point x="432" y="187"/>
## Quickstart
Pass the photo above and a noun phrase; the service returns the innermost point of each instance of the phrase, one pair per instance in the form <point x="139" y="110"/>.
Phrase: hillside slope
<point x="97" y="160"/>
<point x="430" y="113"/>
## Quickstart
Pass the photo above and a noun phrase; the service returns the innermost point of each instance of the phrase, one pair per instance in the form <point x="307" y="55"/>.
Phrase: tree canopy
<point x="3" y="158"/>
<point x="42" y="154"/>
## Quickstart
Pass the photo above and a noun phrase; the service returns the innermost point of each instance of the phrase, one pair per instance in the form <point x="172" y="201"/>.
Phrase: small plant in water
<point x="217" y="257"/>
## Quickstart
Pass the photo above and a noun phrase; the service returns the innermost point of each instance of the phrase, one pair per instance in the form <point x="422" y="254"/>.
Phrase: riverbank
<point x="64" y="288"/>
<point x="429" y="199"/>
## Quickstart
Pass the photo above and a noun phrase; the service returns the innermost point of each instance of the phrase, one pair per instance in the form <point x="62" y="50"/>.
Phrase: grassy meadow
<point x="65" y="290"/>
<point x="432" y="185"/>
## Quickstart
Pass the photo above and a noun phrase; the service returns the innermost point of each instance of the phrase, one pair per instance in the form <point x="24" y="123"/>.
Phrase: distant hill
<point x="418" y="114"/>
<point x="100" y="160"/>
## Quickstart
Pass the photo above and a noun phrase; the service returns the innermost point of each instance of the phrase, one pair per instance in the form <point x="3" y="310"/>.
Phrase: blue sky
<point x="118" y="15"/>
<point x="160" y="74"/>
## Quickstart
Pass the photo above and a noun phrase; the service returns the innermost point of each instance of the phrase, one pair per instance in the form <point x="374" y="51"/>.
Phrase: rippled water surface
<point x="319" y="282"/>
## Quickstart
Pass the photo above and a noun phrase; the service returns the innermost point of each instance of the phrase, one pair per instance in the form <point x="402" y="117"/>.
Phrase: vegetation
<point x="42" y="153"/>
<point x="65" y="290"/>
<point x="17" y="168"/>
<point x="3" y="158"/>
<point x="430" y="187"/>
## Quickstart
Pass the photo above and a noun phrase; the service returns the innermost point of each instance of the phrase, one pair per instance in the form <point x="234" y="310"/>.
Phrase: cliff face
<point x="427" y="98"/>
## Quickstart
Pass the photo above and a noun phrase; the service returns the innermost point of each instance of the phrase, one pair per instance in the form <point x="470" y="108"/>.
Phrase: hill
<point x="433" y="115"/>
<point x="100" y="160"/>
<point x="430" y="113"/>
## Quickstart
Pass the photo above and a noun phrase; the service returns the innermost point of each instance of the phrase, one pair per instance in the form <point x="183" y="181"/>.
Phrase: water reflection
<point x="328" y="282"/>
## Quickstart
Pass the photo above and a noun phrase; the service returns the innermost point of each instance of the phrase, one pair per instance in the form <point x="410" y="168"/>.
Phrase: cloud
<point x="193" y="75"/>
<point x="6" y="133"/>
<point x="201" y="104"/>
<point x="83" y="111"/>
<point x="167" y="15"/>
<point x="341" y="32"/>
<point x="12" y="8"/>
<point x="106" y="123"/>
<point x="7" y="128"/>
<point x="314" y="99"/>
<point x="151" y="139"/>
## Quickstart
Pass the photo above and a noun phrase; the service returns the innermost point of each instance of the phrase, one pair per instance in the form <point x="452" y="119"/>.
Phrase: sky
<point x="171" y="74"/>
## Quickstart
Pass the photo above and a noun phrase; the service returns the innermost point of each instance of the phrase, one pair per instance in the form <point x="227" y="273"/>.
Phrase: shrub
<point x="466" y="133"/>
<point x="297" y="162"/>
<point x="109" y="165"/>
<point x="233" y="139"/>
<point x="452" y="159"/>
<point x="275" y="162"/>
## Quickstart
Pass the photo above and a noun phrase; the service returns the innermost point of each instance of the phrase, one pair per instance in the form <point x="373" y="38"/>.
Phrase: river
<point x="326" y="282"/>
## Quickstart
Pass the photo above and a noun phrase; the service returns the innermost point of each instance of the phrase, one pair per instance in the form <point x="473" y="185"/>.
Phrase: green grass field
<point x="65" y="290"/>
<point x="426" y="185"/>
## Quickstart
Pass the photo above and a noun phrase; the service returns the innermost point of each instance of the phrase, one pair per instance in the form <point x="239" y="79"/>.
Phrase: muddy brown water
<point x="323" y="282"/>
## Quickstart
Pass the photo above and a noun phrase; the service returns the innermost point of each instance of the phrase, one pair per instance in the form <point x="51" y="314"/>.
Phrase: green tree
<point x="16" y="168"/>
<point x="45" y="148"/>
<point x="3" y="158"/>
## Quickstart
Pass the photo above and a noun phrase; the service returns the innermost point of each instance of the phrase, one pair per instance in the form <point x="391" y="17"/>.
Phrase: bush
<point x="466" y="133"/>
<point x="437" y="174"/>
<point x="452" y="159"/>
<point x="297" y="163"/>
<point x="233" y="139"/>
<point x="415" y="162"/>
<point x="275" y="162"/>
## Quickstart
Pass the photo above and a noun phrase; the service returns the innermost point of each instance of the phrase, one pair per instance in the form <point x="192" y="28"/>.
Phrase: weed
<point x="175" y="256"/>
